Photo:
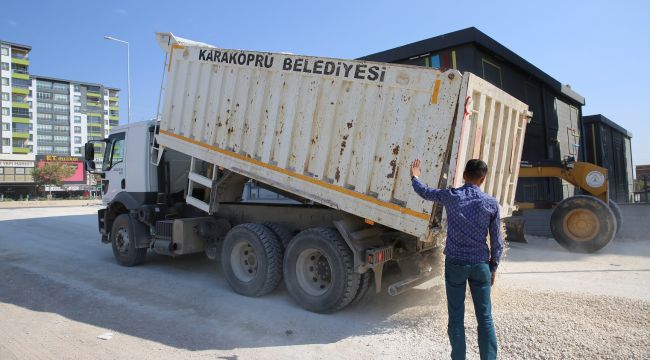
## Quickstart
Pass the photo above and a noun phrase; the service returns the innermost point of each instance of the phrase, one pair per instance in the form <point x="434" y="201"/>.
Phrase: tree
<point x="53" y="174"/>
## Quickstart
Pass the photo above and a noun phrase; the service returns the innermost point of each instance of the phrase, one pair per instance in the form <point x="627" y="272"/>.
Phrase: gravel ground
<point x="60" y="289"/>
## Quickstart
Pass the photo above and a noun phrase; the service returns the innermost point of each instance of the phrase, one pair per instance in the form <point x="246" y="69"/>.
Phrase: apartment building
<point x="17" y="123"/>
<point x="69" y="113"/>
<point x="47" y="117"/>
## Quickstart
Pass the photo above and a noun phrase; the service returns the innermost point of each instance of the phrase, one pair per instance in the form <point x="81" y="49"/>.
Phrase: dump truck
<point x="336" y="136"/>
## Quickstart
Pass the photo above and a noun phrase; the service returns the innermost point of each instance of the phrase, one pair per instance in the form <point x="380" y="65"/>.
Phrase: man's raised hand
<point x="415" y="168"/>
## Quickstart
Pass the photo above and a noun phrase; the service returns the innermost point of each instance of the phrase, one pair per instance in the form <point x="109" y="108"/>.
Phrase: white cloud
<point x="120" y="11"/>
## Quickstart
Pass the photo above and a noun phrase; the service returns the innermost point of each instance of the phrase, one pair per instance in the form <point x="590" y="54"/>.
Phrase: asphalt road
<point x="60" y="288"/>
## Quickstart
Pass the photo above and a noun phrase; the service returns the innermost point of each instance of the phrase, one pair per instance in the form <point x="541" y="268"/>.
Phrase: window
<point x="44" y="148"/>
<point x="77" y="119"/>
<point x="492" y="73"/>
<point x="5" y="111"/>
<point x="77" y="151"/>
<point x="61" y="149"/>
<point x="77" y="98"/>
<point x="43" y="95"/>
<point x="106" y="102"/>
<point x="77" y="129"/>
<point x="41" y="137"/>
<point x="62" y="118"/>
<point x="77" y="139"/>
<point x="61" y="97"/>
<point x="5" y="96"/>
<point x="61" y="108"/>
<point x="77" y="109"/>
<point x="5" y="142"/>
<point x="61" y="138"/>
<point x="44" y="117"/>
<point x="116" y="151"/>
<point x="5" y="66"/>
<point x="44" y="106"/>
<point x="20" y="171"/>
<point x="61" y="128"/>
<point x="43" y="84"/>
<point x="5" y="51"/>
<point x="5" y="126"/>
<point x="105" y="112"/>
<point x="76" y="88"/>
<point x="5" y="81"/>
<point x="43" y="127"/>
<point x="60" y="86"/>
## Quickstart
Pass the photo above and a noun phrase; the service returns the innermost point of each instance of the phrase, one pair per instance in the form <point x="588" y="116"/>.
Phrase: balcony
<point x="114" y="108"/>
<point x="20" y="104"/>
<point x="99" y="134"/>
<point x="20" y="120"/>
<point x="95" y="104"/>
<point x="93" y="94"/>
<point x="111" y="117"/>
<point x="19" y="59"/>
<point x="20" y="150"/>
<point x="20" y="135"/>
<point x="95" y="125"/>
<point x="94" y="114"/>
<point x="113" y="98"/>
<point x="18" y="75"/>
<point x="19" y="90"/>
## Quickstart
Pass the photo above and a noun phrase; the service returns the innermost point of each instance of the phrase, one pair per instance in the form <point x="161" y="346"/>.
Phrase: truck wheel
<point x="583" y="224"/>
<point x="123" y="241"/>
<point x="252" y="259"/>
<point x="617" y="214"/>
<point x="283" y="234"/>
<point x="365" y="280"/>
<point x="319" y="270"/>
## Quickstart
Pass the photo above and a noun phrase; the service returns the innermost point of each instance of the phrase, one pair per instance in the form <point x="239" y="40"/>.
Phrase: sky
<point x="600" y="48"/>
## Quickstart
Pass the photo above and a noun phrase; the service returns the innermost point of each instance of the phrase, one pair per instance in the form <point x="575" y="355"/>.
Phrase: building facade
<point x="609" y="145"/>
<point x="17" y="131"/>
<point x="69" y="113"/>
<point x="46" y="116"/>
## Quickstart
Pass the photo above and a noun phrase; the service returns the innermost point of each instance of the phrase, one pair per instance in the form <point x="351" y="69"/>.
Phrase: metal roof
<point x="599" y="118"/>
<point x="12" y="44"/>
<point x="50" y="78"/>
<point x="472" y="35"/>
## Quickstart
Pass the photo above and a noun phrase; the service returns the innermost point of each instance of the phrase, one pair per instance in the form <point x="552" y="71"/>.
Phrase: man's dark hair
<point x="475" y="169"/>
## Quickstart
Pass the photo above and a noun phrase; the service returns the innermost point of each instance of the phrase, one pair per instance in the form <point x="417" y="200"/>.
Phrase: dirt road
<point x="60" y="288"/>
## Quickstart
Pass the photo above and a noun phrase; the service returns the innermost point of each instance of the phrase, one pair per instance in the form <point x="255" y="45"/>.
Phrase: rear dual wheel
<point x="319" y="271"/>
<point x="252" y="259"/>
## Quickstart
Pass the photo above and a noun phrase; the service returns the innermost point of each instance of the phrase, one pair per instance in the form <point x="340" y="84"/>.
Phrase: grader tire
<point x="583" y="224"/>
<point x="617" y="214"/>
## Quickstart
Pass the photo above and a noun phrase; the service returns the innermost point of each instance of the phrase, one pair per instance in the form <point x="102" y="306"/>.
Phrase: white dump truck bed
<point x="340" y="132"/>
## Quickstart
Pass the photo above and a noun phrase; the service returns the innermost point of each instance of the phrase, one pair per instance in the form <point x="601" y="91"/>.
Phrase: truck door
<point x="114" y="180"/>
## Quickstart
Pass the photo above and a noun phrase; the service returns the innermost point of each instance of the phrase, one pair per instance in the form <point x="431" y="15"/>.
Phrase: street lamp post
<point x="128" y="72"/>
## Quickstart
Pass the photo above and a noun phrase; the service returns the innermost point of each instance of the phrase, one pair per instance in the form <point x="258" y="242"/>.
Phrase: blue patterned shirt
<point x="470" y="215"/>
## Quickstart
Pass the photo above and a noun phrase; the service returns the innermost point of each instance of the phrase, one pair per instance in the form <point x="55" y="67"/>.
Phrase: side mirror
<point x="89" y="165"/>
<point x="89" y="152"/>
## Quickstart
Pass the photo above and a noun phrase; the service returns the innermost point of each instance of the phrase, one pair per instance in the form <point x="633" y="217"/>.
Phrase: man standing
<point x="471" y="214"/>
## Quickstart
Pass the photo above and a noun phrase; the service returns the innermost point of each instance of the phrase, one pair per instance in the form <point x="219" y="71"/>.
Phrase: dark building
<point x="607" y="144"/>
<point x="554" y="131"/>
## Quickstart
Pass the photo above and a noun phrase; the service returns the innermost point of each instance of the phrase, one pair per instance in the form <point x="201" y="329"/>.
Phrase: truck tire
<point x="252" y="259"/>
<point x="123" y="242"/>
<point x="283" y="234"/>
<point x="319" y="270"/>
<point x="583" y="224"/>
<point x="365" y="280"/>
<point x="617" y="214"/>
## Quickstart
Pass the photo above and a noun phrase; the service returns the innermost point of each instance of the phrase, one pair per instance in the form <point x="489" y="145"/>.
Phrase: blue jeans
<point x="457" y="275"/>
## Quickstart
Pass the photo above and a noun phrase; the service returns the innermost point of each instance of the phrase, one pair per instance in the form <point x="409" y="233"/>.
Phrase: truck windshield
<point x="114" y="153"/>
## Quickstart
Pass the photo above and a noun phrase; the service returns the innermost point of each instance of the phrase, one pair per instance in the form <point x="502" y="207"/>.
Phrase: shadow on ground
<point x="58" y="265"/>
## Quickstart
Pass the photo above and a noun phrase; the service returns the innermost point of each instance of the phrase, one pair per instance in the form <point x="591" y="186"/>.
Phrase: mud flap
<point x="515" y="228"/>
